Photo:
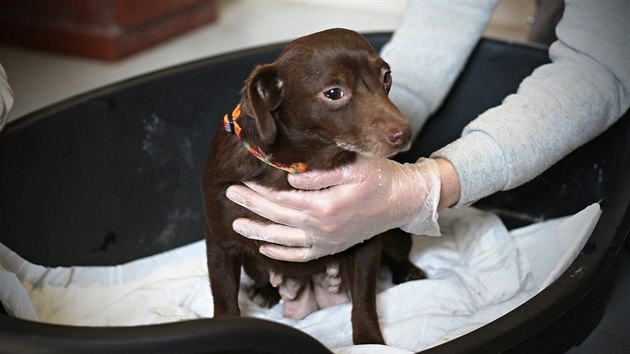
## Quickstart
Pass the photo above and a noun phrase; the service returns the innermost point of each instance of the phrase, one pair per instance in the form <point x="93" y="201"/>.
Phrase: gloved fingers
<point x="263" y="204"/>
<point x="293" y="199"/>
<point x="272" y="233"/>
<point x="291" y="254"/>
<point x="304" y="209"/>
<point x="299" y="249"/>
<point x="354" y="172"/>
<point x="317" y="179"/>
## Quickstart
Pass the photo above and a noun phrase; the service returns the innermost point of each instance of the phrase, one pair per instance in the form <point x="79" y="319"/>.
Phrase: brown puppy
<point x="322" y="102"/>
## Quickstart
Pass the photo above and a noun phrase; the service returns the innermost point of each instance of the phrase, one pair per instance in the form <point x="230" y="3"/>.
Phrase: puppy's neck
<point x="293" y="150"/>
<point x="300" y="145"/>
<point x="231" y="125"/>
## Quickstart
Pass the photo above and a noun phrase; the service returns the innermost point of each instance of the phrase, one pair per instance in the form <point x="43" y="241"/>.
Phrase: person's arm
<point x="561" y="106"/>
<point x="449" y="184"/>
<point x="428" y="51"/>
<point x="6" y="97"/>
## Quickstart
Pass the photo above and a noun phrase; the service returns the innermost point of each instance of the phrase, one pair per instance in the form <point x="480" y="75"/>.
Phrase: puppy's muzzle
<point x="398" y="138"/>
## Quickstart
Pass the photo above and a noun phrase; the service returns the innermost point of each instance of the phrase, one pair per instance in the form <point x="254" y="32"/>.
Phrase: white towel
<point x="478" y="271"/>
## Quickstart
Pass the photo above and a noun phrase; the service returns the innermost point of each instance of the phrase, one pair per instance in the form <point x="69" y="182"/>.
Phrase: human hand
<point x="333" y="210"/>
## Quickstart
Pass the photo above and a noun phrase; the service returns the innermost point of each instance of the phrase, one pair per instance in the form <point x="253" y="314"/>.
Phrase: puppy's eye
<point x="334" y="94"/>
<point x="387" y="81"/>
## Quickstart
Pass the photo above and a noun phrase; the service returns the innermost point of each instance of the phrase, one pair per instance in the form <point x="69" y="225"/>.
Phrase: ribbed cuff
<point x="479" y="164"/>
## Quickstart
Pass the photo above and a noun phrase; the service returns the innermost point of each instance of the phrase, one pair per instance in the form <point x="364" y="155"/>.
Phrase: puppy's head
<point x="328" y="89"/>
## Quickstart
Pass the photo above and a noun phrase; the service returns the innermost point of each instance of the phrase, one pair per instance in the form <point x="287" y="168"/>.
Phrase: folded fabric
<point x="478" y="271"/>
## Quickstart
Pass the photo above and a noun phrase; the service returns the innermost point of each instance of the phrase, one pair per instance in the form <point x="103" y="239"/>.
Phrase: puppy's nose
<point x="398" y="137"/>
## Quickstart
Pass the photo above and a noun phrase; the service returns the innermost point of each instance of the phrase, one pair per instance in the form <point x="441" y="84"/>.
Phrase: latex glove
<point x="336" y="209"/>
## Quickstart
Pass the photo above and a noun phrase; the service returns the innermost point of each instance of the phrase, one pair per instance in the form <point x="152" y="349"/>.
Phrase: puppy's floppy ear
<point x="263" y="92"/>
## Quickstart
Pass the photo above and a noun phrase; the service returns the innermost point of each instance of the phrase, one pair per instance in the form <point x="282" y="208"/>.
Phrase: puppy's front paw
<point x="265" y="296"/>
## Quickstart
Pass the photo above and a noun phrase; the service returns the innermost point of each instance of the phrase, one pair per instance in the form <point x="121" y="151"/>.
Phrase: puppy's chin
<point x="402" y="149"/>
<point x="373" y="149"/>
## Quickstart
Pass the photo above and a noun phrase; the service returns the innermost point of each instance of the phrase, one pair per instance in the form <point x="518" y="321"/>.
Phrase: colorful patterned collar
<point x="231" y="126"/>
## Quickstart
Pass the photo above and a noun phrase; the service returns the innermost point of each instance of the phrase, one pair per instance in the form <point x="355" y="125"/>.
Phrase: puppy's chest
<point x="234" y="166"/>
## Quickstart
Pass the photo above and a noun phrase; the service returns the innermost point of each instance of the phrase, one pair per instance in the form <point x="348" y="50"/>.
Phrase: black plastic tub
<point x="113" y="175"/>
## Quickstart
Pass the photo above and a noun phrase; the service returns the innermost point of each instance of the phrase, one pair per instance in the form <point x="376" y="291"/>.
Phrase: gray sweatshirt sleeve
<point x="559" y="107"/>
<point x="428" y="51"/>
<point x="6" y="97"/>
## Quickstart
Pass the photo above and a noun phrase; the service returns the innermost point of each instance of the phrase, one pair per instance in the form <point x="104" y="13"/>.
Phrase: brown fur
<point x="285" y="113"/>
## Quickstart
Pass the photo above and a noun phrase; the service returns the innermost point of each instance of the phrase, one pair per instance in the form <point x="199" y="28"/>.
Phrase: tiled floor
<point x="42" y="78"/>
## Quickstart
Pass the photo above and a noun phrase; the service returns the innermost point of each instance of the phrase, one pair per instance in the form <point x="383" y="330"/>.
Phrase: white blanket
<point x="478" y="271"/>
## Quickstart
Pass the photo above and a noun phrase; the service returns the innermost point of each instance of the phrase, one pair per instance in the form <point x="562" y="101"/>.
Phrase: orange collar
<point x="231" y="126"/>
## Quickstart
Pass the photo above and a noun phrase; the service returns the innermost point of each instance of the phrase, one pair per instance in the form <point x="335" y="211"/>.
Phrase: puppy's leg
<point x="262" y="291"/>
<point x="396" y="245"/>
<point x="363" y="264"/>
<point x="224" y="268"/>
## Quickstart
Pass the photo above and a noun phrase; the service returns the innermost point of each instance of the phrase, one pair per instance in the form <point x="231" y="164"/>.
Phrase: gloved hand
<point x="334" y="210"/>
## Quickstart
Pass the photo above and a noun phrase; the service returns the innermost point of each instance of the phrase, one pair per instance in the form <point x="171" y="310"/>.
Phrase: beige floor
<point x="41" y="78"/>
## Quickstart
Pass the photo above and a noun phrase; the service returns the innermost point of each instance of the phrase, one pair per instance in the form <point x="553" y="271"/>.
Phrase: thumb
<point x="317" y="179"/>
